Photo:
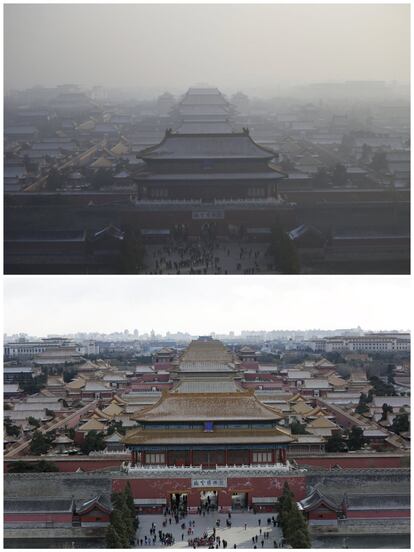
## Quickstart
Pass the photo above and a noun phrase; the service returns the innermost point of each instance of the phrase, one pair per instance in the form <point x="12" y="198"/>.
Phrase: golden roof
<point x="120" y="149"/>
<point x="207" y="407"/>
<point x="77" y="383"/>
<point x="141" y="436"/>
<point x="92" y="425"/>
<point x="322" y="422"/>
<point x="101" y="163"/>
<point x="301" y="407"/>
<point x="112" y="410"/>
<point x="87" y="125"/>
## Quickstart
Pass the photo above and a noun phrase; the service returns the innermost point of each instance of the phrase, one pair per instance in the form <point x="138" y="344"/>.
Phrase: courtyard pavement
<point x="195" y="258"/>
<point x="236" y="535"/>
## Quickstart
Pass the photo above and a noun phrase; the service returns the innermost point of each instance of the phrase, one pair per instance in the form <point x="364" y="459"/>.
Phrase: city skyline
<point x="219" y="304"/>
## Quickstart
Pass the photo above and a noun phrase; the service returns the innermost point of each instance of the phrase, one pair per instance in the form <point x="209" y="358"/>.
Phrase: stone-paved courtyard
<point x="196" y="258"/>
<point x="236" y="535"/>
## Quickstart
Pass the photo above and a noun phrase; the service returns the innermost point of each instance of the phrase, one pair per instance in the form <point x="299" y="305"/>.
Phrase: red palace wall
<point x="378" y="514"/>
<point x="70" y="466"/>
<point x="254" y="486"/>
<point x="348" y="461"/>
<point x="29" y="518"/>
<point x="322" y="514"/>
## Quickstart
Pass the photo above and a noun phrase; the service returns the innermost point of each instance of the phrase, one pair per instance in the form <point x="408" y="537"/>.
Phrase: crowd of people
<point x="207" y="539"/>
<point x="208" y="257"/>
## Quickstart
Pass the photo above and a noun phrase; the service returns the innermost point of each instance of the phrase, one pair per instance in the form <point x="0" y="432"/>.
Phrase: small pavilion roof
<point x="316" y="499"/>
<point x="99" y="502"/>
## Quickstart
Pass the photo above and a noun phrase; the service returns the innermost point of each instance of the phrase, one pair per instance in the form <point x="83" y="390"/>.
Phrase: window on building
<point x="264" y="457"/>
<point x="155" y="458"/>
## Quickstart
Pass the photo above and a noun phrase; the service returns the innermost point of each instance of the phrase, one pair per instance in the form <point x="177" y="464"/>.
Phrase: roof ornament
<point x="246" y="131"/>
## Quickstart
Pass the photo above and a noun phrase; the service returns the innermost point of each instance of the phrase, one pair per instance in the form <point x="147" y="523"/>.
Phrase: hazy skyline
<point x="230" y="46"/>
<point x="201" y="305"/>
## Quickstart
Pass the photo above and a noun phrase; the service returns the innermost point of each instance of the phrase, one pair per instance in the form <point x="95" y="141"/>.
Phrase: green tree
<point x="362" y="407"/>
<point x="94" y="440"/>
<point x="39" y="443"/>
<point x="32" y="467"/>
<point x="112" y="539"/>
<point x="121" y="528"/>
<point x="132" y="252"/>
<point x="385" y="409"/>
<point x="53" y="180"/>
<point x="336" y="443"/>
<point x="401" y="423"/>
<point x="283" y="249"/>
<point x="33" y="421"/>
<point x="293" y="524"/>
<point x="379" y="162"/>
<point x="339" y="175"/>
<point x="297" y="428"/>
<point x="321" y="178"/>
<point x="356" y="438"/>
<point x="69" y="374"/>
<point x="11" y="429"/>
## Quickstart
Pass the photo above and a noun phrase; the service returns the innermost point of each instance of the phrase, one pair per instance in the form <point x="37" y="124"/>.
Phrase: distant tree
<point x="32" y="467"/>
<point x="379" y="162"/>
<point x="33" y="421"/>
<point x="390" y="374"/>
<point x="356" y="438"/>
<point x="53" y="180"/>
<point x="112" y="539"/>
<point x="132" y="252"/>
<point x="293" y="524"/>
<point x="385" y="410"/>
<point x="94" y="441"/>
<point x="336" y="443"/>
<point x="365" y="154"/>
<point x="284" y="251"/>
<point x="69" y="374"/>
<point x="401" y="423"/>
<point x="39" y="443"/>
<point x="50" y="413"/>
<point x="321" y="178"/>
<point x="297" y="428"/>
<point x="380" y="388"/>
<point x="115" y="426"/>
<point x="362" y="407"/>
<point x="71" y="433"/>
<point x="339" y="175"/>
<point x="11" y="429"/>
<point x="102" y="178"/>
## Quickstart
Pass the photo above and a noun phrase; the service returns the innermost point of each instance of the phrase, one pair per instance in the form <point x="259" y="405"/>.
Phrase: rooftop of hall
<point x="254" y="436"/>
<point x="207" y="349"/>
<point x="207" y="386"/>
<point x="232" y="145"/>
<point x="213" y="406"/>
<point x="205" y="127"/>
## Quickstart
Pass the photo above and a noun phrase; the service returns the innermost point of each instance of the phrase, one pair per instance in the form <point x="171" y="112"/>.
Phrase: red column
<point x="226" y="458"/>
<point x="191" y="457"/>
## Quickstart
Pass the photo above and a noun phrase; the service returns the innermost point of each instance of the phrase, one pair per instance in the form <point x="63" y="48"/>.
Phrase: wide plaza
<point x="244" y="527"/>
<point x="196" y="257"/>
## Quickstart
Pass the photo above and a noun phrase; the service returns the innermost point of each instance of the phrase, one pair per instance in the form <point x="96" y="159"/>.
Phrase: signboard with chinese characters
<point x="208" y="215"/>
<point x="207" y="483"/>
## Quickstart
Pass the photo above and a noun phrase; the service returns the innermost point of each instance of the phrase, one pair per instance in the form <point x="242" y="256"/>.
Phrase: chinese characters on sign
<point x="208" y="215"/>
<point x="201" y="483"/>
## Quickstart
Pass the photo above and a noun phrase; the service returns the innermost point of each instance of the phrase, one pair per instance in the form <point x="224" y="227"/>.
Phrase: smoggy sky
<point x="230" y="46"/>
<point x="203" y="304"/>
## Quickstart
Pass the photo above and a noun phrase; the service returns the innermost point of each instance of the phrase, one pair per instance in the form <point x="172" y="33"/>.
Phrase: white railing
<point x="249" y="469"/>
